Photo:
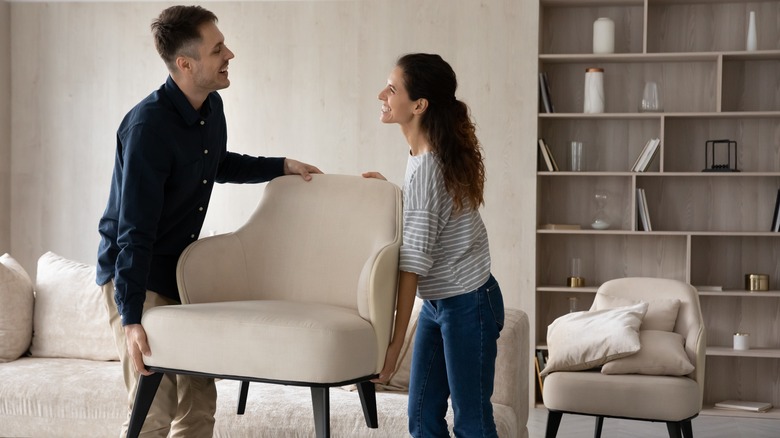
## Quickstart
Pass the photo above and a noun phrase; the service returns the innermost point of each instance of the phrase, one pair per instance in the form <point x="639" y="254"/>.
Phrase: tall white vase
<point x="752" y="40"/>
<point x="603" y="35"/>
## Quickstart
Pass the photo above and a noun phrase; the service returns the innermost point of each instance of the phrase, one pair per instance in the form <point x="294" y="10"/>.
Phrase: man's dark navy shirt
<point x="168" y="157"/>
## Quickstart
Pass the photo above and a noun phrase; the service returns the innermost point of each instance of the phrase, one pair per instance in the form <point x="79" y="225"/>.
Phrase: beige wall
<point x="5" y="129"/>
<point x="304" y="85"/>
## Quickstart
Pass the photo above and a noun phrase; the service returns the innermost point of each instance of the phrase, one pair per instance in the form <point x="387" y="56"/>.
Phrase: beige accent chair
<point x="302" y="294"/>
<point x="671" y="399"/>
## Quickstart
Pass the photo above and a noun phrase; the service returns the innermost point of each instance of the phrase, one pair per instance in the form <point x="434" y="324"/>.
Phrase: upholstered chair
<point x="302" y="294"/>
<point x="661" y="382"/>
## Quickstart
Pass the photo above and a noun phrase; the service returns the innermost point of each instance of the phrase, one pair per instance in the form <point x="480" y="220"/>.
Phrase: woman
<point x="445" y="257"/>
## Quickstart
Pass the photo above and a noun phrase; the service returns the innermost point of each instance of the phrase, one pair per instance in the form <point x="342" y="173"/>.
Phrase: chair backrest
<point x="333" y="240"/>
<point x="689" y="321"/>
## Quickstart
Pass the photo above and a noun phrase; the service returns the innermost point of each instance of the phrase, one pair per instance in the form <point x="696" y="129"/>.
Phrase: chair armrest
<point x="511" y="380"/>
<point x="203" y="277"/>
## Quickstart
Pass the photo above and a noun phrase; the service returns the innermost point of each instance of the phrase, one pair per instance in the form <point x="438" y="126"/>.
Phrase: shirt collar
<point x="188" y="113"/>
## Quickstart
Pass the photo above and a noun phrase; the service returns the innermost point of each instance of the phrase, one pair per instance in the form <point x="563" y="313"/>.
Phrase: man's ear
<point x="421" y="105"/>
<point x="183" y="63"/>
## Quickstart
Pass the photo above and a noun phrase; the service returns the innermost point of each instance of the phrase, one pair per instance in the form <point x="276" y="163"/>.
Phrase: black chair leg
<point x="320" y="400"/>
<point x="242" y="394"/>
<point x="599" y="426"/>
<point x="367" y="393"/>
<point x="674" y="429"/>
<point x="144" y="396"/>
<point x="553" y="421"/>
<point x="687" y="429"/>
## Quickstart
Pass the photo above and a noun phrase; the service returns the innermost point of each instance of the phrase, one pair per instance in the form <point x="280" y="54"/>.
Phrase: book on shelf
<point x="776" y="218"/>
<point x="544" y="93"/>
<point x="646" y="156"/>
<point x="547" y="156"/>
<point x="560" y="227"/>
<point x="708" y="288"/>
<point x="644" y="213"/>
<point x="742" y="405"/>
<point x="540" y="361"/>
<point x="544" y="152"/>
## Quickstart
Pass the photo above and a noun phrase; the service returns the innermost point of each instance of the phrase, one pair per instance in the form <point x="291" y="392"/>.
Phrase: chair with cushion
<point x="302" y="294"/>
<point x="648" y="336"/>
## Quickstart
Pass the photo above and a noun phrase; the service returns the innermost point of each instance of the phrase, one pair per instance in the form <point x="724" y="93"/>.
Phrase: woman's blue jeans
<point x="455" y="356"/>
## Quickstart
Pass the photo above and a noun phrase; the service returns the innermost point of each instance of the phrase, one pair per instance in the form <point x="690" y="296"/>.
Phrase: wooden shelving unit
<point x="709" y="228"/>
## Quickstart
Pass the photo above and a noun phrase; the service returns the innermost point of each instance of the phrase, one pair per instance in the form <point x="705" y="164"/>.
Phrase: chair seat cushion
<point x="278" y="340"/>
<point x="666" y="398"/>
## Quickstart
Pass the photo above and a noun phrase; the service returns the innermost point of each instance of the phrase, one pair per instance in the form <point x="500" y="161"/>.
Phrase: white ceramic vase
<point x="752" y="39"/>
<point x="603" y="35"/>
<point x="594" y="91"/>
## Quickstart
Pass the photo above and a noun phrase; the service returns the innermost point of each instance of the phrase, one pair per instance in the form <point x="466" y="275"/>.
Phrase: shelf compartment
<point x="738" y="203"/>
<point x="742" y="378"/>
<point x="608" y="144"/>
<point x="751" y="85"/>
<point x="724" y="261"/>
<point x="567" y="27"/>
<point x="685" y="86"/>
<point x="758" y="142"/>
<point x="709" y="26"/>
<point x="570" y="199"/>
<point x="724" y="316"/>
<point x="608" y="256"/>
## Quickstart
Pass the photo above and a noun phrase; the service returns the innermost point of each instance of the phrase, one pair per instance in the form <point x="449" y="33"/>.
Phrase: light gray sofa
<point x="64" y="380"/>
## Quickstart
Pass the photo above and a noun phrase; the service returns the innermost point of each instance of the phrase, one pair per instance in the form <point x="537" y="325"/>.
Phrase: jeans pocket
<point x="496" y="303"/>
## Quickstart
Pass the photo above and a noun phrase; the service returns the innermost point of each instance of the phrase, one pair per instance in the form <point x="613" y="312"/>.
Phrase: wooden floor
<point x="580" y="426"/>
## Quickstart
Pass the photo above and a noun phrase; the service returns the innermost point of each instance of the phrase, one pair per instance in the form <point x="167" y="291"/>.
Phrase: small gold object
<point x="575" y="281"/>
<point x="756" y="282"/>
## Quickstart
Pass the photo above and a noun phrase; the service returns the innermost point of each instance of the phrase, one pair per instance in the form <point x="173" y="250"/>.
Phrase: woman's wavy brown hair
<point x="447" y="123"/>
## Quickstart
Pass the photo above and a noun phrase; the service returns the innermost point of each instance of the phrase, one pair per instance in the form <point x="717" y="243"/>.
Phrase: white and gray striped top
<point x="448" y="251"/>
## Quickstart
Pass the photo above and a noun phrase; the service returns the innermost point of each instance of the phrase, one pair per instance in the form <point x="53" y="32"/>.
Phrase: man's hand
<point x="376" y="175"/>
<point x="137" y="347"/>
<point x="293" y="167"/>
<point x="393" y="350"/>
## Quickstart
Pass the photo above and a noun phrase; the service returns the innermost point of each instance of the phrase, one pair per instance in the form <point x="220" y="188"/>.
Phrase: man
<point x="171" y="149"/>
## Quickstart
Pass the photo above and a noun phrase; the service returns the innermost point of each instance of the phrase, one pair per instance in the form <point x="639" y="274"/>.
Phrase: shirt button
<point x="205" y="181"/>
<point x="205" y="151"/>
<point x="200" y="208"/>
<point x="192" y="236"/>
<point x="202" y="122"/>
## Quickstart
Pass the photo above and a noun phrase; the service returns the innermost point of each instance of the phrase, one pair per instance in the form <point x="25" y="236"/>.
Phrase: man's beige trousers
<point x="184" y="406"/>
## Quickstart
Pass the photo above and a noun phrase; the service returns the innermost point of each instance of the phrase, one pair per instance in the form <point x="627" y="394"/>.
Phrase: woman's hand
<point x="391" y="358"/>
<point x="376" y="175"/>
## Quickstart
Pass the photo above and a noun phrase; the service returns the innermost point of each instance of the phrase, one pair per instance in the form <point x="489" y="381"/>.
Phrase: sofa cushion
<point x="70" y="318"/>
<point x="16" y="309"/>
<point x="661" y="314"/>
<point x="661" y="354"/>
<point x="583" y="340"/>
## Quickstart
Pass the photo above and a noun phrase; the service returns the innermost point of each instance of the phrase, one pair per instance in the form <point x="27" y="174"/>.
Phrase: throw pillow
<point x="662" y="354"/>
<point x="583" y="340"/>
<point x="16" y="309"/>
<point x="71" y="319"/>
<point x="661" y="314"/>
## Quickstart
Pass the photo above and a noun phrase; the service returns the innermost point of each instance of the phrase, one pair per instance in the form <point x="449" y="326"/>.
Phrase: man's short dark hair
<point x="176" y="31"/>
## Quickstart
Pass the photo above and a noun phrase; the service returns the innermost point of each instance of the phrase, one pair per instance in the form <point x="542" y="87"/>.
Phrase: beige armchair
<point x="672" y="399"/>
<point x="302" y="294"/>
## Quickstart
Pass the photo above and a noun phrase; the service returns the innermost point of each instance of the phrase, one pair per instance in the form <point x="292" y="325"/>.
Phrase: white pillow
<point x="662" y="354"/>
<point x="661" y="314"/>
<point x="583" y="340"/>
<point x="71" y="319"/>
<point x="16" y="309"/>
